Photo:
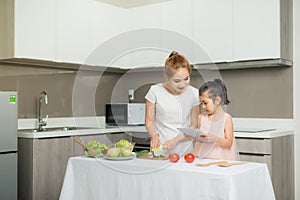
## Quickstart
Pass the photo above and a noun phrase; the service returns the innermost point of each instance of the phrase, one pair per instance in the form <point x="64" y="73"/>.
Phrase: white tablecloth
<point x="136" y="179"/>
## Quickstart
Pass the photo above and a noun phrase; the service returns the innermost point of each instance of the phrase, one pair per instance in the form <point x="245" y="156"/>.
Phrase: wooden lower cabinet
<point x="41" y="167"/>
<point x="42" y="163"/>
<point x="278" y="154"/>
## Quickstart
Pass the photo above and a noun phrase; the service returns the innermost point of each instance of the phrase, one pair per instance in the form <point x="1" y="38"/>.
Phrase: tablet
<point x="194" y="132"/>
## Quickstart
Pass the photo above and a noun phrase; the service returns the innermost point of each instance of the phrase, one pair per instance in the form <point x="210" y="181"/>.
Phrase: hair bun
<point x="173" y="53"/>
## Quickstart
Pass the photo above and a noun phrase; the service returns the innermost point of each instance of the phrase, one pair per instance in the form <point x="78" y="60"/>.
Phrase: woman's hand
<point x="170" y="144"/>
<point x="155" y="141"/>
<point x="189" y="138"/>
<point x="197" y="148"/>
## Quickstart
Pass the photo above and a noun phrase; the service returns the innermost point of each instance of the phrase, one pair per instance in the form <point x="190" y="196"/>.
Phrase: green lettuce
<point x="124" y="144"/>
<point x="95" y="149"/>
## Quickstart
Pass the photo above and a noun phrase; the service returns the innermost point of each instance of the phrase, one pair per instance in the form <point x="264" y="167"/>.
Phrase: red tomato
<point x="189" y="157"/>
<point x="174" y="157"/>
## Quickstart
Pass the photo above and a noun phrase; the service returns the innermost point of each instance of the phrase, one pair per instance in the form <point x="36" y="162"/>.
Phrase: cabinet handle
<point x="48" y="138"/>
<point x="254" y="154"/>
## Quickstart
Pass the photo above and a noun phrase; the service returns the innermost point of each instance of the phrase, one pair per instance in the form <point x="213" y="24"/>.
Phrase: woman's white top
<point x="172" y="112"/>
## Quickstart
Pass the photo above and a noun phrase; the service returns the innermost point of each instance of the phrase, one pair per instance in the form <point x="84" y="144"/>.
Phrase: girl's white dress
<point x="172" y="112"/>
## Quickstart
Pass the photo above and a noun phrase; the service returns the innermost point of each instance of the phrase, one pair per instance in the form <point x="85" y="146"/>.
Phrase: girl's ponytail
<point x="223" y="91"/>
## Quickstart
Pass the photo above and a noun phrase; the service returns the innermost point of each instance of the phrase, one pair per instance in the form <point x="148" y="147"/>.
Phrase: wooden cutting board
<point x="146" y="157"/>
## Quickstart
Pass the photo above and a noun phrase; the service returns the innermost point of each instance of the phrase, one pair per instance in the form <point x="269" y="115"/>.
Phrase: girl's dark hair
<point x="215" y="88"/>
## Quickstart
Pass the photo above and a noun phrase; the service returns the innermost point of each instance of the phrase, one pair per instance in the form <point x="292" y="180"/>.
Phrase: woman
<point x="171" y="105"/>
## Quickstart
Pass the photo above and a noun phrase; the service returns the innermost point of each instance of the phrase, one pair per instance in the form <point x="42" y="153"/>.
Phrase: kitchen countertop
<point x="264" y="134"/>
<point x="81" y="131"/>
<point x="139" y="129"/>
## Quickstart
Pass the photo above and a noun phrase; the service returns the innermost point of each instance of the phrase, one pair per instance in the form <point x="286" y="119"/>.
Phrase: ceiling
<point x="131" y="3"/>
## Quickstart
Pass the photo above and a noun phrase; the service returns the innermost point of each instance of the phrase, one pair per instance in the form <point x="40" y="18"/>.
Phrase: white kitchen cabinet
<point x="34" y="29"/>
<point x="172" y="18"/>
<point x="83" y="27"/>
<point x="106" y="23"/>
<point x="177" y="16"/>
<point x="205" y="23"/>
<point x="145" y="17"/>
<point x="142" y="54"/>
<point x="262" y="29"/>
<point x="278" y="154"/>
<point x="60" y="30"/>
<point x="73" y="30"/>
<point x="212" y="29"/>
<point x="235" y="30"/>
<point x="48" y="30"/>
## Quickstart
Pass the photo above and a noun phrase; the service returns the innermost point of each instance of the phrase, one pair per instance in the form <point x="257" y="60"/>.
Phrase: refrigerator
<point x="8" y="144"/>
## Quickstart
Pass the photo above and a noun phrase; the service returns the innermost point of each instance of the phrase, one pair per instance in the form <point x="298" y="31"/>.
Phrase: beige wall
<point x="265" y="92"/>
<point x="254" y="93"/>
<point x="260" y="92"/>
<point x="29" y="82"/>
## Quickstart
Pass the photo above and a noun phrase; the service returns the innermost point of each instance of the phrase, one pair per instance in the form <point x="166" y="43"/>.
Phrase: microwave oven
<point x="125" y="113"/>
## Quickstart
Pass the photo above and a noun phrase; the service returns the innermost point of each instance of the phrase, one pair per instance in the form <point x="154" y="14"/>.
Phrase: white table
<point x="89" y="178"/>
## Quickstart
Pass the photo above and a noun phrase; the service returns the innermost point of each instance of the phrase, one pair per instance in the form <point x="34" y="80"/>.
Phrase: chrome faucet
<point x="42" y="122"/>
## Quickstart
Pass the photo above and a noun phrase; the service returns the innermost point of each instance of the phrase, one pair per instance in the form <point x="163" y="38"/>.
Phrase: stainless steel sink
<point x="52" y="129"/>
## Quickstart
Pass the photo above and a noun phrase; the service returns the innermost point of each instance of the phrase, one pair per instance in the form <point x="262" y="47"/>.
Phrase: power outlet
<point x="131" y="94"/>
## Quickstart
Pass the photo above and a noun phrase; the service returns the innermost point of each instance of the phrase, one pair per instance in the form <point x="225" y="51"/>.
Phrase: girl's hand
<point x="155" y="142"/>
<point x="209" y="138"/>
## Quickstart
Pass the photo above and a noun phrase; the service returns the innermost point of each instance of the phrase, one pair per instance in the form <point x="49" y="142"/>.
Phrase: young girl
<point x="217" y="140"/>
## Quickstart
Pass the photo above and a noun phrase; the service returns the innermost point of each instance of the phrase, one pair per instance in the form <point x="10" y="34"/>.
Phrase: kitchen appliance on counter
<point x="117" y="114"/>
<point x="141" y="140"/>
<point x="8" y="145"/>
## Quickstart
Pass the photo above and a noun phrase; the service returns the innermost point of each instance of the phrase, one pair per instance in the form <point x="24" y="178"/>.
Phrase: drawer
<point x="258" y="158"/>
<point x="254" y="145"/>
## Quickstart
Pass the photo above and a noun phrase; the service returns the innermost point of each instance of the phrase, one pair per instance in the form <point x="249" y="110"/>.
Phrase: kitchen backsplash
<point x="254" y="93"/>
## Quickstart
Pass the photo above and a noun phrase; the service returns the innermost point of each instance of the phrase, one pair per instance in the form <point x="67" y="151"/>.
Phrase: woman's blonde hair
<point x="174" y="62"/>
